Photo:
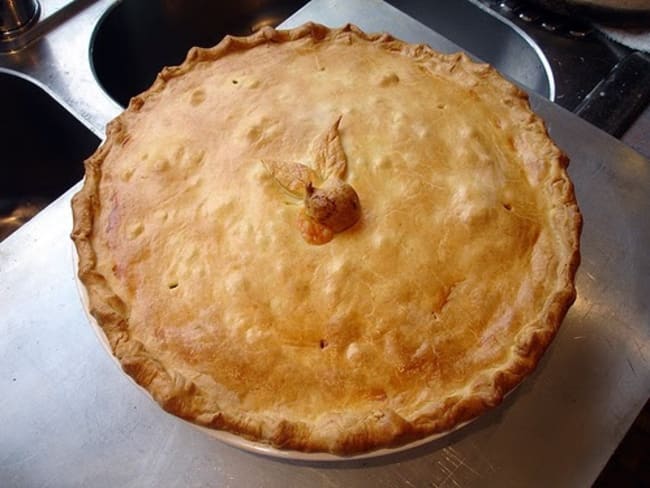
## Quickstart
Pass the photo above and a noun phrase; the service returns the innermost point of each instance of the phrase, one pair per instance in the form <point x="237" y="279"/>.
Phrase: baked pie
<point x="327" y="240"/>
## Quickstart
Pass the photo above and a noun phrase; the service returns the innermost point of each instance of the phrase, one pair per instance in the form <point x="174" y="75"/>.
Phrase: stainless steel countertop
<point x="70" y="417"/>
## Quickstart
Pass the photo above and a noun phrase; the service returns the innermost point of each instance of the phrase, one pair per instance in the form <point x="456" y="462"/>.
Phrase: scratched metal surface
<point x="69" y="417"/>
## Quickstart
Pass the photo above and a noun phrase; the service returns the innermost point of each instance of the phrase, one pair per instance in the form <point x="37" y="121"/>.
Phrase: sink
<point x="42" y="149"/>
<point x="135" y="39"/>
<point x="490" y="38"/>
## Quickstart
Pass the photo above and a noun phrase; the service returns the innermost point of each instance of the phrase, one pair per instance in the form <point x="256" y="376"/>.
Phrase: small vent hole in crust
<point x="197" y="98"/>
<point x="507" y="206"/>
<point x="322" y="343"/>
<point x="172" y="285"/>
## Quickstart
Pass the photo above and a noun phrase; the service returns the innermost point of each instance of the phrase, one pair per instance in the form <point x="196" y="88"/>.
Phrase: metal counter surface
<point x="70" y="417"/>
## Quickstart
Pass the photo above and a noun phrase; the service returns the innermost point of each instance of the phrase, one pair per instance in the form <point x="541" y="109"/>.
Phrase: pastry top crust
<point x="420" y="316"/>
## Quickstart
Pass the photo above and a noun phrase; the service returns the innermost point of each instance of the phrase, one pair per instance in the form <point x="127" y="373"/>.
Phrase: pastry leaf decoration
<point x="330" y="157"/>
<point x="293" y="177"/>
<point x="329" y="208"/>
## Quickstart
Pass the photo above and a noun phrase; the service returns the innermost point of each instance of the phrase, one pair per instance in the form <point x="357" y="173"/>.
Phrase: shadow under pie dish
<point x="327" y="241"/>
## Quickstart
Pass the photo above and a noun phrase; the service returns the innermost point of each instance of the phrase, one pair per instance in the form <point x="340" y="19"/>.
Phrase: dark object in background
<point x="604" y="12"/>
<point x="629" y="464"/>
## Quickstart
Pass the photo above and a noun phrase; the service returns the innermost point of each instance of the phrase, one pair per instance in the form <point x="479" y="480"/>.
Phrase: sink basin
<point x="135" y="39"/>
<point x="489" y="38"/>
<point x="43" y="148"/>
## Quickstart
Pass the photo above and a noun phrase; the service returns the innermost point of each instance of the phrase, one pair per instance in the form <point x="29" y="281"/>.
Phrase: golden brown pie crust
<point x="420" y="316"/>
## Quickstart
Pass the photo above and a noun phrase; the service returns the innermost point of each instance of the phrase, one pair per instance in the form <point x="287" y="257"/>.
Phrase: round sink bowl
<point x="489" y="37"/>
<point x="43" y="148"/>
<point x="136" y="39"/>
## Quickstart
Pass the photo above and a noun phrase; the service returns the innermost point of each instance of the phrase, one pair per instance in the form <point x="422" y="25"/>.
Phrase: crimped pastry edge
<point x="379" y="429"/>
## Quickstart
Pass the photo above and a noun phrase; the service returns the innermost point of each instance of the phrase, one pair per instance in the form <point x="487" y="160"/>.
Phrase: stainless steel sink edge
<point x="538" y="50"/>
<point x="55" y="96"/>
<point x="58" y="62"/>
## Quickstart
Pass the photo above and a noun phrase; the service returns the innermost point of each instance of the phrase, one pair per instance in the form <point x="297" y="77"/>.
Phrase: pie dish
<point x="326" y="240"/>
